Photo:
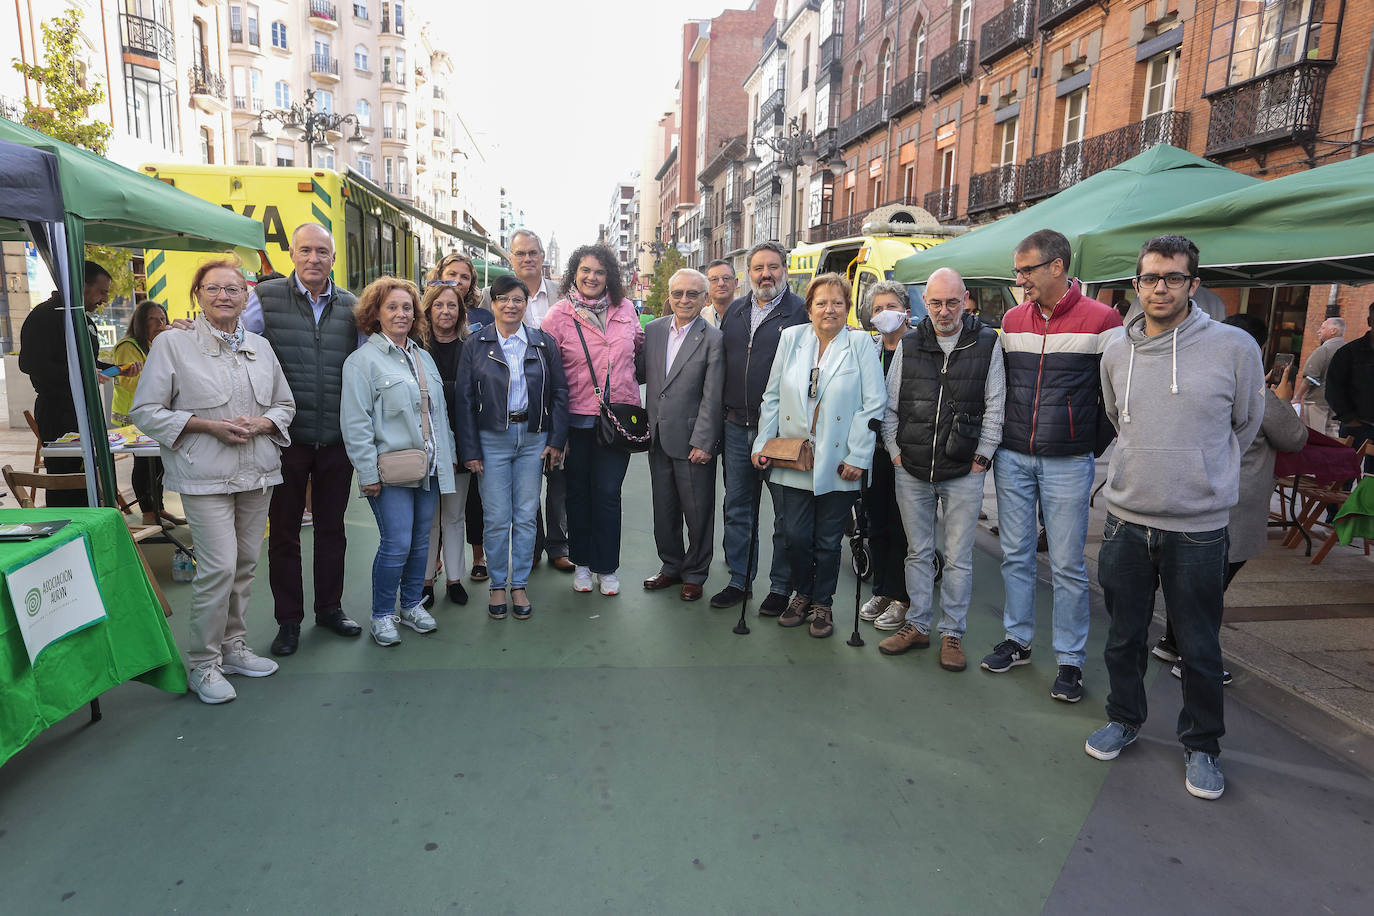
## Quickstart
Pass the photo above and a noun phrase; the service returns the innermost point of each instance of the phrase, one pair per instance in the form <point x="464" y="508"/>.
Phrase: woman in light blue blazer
<point x="826" y="385"/>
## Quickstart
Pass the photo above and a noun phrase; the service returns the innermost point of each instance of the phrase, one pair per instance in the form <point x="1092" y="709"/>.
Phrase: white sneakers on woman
<point x="582" y="581"/>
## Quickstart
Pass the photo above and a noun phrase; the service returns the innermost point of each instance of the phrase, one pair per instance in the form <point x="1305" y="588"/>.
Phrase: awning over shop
<point x="1158" y="179"/>
<point x="1315" y="226"/>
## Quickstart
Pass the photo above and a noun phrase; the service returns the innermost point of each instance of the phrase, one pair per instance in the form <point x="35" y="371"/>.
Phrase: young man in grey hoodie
<point x="1186" y="395"/>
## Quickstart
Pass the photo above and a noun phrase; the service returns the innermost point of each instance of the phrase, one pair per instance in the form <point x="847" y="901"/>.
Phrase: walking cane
<point x="742" y="628"/>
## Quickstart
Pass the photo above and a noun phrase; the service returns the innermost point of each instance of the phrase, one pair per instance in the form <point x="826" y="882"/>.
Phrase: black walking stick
<point x="742" y="628"/>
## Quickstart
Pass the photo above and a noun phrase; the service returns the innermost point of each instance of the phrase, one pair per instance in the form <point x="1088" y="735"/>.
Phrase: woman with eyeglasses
<point x="457" y="270"/>
<point x="218" y="404"/>
<point x="515" y="424"/>
<point x="598" y="331"/>
<point x="826" y="385"/>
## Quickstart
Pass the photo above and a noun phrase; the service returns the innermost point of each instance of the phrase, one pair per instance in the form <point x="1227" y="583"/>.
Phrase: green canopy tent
<point x="107" y="204"/>
<point x="1162" y="177"/>
<point x="1313" y="226"/>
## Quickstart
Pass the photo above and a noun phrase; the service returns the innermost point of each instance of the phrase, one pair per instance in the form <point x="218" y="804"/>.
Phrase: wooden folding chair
<point x="25" y="487"/>
<point x="1338" y="498"/>
<point x="38" y="447"/>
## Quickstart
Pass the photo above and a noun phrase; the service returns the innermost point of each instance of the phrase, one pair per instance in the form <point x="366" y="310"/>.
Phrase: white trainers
<point x="874" y="607"/>
<point x="610" y="584"/>
<point x="582" y="579"/>
<point x="209" y="684"/>
<point x="418" y="619"/>
<point x="384" y="630"/>
<point x="237" y="658"/>
<point x="892" y="618"/>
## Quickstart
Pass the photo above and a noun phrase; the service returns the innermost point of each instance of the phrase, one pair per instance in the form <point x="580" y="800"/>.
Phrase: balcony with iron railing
<point x="208" y="90"/>
<point x="1053" y="171"/>
<point x="765" y="179"/>
<point x="770" y="111"/>
<point x="148" y="37"/>
<point x="391" y="79"/>
<point x="846" y="226"/>
<point x="831" y="51"/>
<point x="1280" y="107"/>
<point x="324" y="67"/>
<point x="1010" y="29"/>
<point x="827" y="144"/>
<point x="323" y="14"/>
<point x="397" y="134"/>
<point x="999" y="187"/>
<point x="951" y="66"/>
<point x="909" y="93"/>
<point x="864" y="121"/>
<point x="943" y="203"/>
<point x="1053" y="12"/>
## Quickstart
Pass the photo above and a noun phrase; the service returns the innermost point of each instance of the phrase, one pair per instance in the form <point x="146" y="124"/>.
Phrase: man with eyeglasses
<point x="750" y="329"/>
<point x="1186" y="395"/>
<point x="1053" y="425"/>
<point x="308" y="320"/>
<point x="721" y="285"/>
<point x="551" y="524"/>
<point x="682" y="365"/>
<point x="946" y="389"/>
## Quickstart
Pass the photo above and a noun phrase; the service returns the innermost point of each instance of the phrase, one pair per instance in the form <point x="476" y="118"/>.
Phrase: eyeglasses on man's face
<point x="1022" y="272"/>
<point x="1171" y="280"/>
<point x="941" y="305"/>
<point x="689" y="294"/>
<point x="514" y="299"/>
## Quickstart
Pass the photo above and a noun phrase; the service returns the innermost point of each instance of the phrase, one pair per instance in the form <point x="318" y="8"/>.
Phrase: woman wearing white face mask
<point x="888" y="306"/>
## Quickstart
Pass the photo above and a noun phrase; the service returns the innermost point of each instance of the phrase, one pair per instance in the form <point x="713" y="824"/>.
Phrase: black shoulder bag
<point x="619" y="426"/>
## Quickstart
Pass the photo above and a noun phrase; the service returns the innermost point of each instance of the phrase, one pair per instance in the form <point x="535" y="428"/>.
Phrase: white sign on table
<point x="55" y="595"/>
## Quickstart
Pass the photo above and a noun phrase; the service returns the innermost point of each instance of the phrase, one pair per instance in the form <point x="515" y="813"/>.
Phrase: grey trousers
<point x="683" y="493"/>
<point x="228" y="530"/>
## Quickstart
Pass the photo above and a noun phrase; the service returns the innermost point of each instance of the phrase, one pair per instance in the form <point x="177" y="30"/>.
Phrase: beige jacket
<point x="194" y="373"/>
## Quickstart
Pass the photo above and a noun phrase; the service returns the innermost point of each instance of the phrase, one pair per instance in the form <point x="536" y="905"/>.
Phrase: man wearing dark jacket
<point x="751" y="328"/>
<point x="309" y="323"/>
<point x="43" y="358"/>
<point x="1054" y="342"/>
<point x="946" y="388"/>
<point x="1350" y="388"/>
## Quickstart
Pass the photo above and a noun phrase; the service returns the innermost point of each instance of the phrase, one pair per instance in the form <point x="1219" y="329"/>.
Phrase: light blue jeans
<point x="1060" y="486"/>
<point x="510" y="483"/>
<point x="961" y="499"/>
<point x="404" y="517"/>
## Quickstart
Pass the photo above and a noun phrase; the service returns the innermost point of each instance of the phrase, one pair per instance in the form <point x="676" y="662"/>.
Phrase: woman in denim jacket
<point x="382" y="410"/>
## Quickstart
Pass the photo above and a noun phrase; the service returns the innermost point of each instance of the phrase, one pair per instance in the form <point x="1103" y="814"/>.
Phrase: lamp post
<point x="303" y="122"/>
<point x="796" y="147"/>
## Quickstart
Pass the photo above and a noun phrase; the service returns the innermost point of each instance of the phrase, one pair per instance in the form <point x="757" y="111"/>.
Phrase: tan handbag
<point x="407" y="466"/>
<point x="793" y="454"/>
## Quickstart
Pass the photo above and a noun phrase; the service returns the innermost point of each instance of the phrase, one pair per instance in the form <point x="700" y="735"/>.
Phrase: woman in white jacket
<point x="216" y="401"/>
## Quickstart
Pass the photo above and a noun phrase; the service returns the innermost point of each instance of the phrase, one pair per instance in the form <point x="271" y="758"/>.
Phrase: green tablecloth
<point x="133" y="643"/>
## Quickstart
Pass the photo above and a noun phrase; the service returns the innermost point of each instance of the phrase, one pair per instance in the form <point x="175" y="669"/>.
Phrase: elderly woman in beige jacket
<point x="217" y="402"/>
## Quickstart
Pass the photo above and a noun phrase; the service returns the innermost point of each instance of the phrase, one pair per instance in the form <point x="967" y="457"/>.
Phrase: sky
<point x="564" y="95"/>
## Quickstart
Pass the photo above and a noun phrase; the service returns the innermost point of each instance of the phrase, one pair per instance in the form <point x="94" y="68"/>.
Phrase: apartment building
<point x="619" y="225"/>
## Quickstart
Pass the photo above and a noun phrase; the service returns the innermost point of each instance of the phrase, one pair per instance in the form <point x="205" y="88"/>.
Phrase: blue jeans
<point x="510" y="483"/>
<point x="1191" y="568"/>
<point x="404" y="517"/>
<point x="961" y="498"/>
<point x="742" y="508"/>
<point x="1060" y="486"/>
<point x="812" y="527"/>
<point x="595" y="477"/>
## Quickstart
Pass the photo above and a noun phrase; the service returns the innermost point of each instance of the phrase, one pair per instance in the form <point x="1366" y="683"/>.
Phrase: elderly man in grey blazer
<point x="682" y="365"/>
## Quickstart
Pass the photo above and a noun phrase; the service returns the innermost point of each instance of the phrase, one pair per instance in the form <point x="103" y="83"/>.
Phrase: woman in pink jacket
<point x="592" y="301"/>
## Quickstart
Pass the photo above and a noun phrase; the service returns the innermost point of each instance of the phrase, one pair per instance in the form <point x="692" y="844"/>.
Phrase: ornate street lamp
<point x="303" y="122"/>
<point x="795" y="147"/>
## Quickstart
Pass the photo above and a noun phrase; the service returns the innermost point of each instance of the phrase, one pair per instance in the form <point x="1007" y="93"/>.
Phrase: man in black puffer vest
<point x="946" y="392"/>
<point x="309" y="323"/>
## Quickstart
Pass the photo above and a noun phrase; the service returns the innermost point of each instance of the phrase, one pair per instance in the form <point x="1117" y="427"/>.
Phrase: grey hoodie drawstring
<point x="1126" y="401"/>
<point x="1173" y="383"/>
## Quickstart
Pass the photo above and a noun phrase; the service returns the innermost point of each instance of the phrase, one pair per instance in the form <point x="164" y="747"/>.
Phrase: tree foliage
<point x="670" y="263"/>
<point x="63" y="117"/>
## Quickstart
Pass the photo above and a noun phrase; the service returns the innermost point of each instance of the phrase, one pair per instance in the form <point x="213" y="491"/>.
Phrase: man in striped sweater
<point x="1054" y="423"/>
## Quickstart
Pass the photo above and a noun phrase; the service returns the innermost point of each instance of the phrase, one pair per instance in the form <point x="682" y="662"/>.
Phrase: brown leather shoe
<point x="822" y="623"/>
<point x="562" y="564"/>
<point x="908" y="637"/>
<point x="656" y="582"/>
<point x="691" y="592"/>
<point x="796" y="612"/>
<point x="952" y="653"/>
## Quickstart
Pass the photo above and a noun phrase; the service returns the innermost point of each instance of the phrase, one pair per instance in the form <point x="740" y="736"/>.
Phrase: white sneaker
<point x="610" y="584"/>
<point x="209" y="684"/>
<point x="237" y="658"/>
<point x="384" y="630"/>
<point x="874" y="607"/>
<point x="892" y="618"/>
<point x="582" y="579"/>
<point x="418" y="619"/>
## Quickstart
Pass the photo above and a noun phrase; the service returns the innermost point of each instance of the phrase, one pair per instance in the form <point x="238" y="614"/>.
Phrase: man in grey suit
<point x="551" y="530"/>
<point x="682" y="365"/>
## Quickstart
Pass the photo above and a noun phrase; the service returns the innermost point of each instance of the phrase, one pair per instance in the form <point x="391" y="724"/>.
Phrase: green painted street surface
<point x="633" y="755"/>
